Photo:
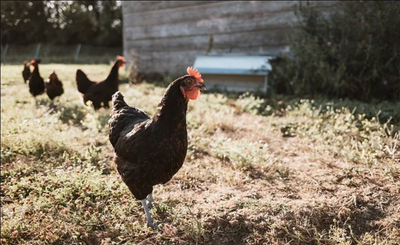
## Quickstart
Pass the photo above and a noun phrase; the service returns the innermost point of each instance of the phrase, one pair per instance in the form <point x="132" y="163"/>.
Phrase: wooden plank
<point x="210" y="27"/>
<point x="210" y="10"/>
<point x="174" y="62"/>
<point x="189" y="13"/>
<point x="150" y="6"/>
<point x="253" y="50"/>
<point x="233" y="40"/>
<point x="166" y="62"/>
<point x="167" y="35"/>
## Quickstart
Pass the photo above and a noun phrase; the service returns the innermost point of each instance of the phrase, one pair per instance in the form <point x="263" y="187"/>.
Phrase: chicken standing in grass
<point x="26" y="72"/>
<point x="151" y="150"/>
<point x="36" y="83"/>
<point x="54" y="87"/>
<point x="99" y="92"/>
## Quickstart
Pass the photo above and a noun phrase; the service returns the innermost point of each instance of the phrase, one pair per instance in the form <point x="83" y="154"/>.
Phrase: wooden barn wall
<point x="166" y="36"/>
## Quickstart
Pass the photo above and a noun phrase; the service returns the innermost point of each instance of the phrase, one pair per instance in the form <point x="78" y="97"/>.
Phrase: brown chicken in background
<point x="54" y="87"/>
<point x="99" y="93"/>
<point x="36" y="83"/>
<point x="26" y="72"/>
<point x="151" y="150"/>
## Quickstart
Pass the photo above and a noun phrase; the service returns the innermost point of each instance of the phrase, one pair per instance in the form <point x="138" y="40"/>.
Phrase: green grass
<point x="258" y="170"/>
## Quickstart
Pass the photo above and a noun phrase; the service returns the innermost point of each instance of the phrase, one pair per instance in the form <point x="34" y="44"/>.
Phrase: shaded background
<point x="54" y="29"/>
<point x="336" y="49"/>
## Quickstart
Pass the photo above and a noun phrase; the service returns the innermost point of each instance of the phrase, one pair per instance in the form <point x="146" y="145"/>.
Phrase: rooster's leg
<point x="150" y="200"/>
<point x="148" y="215"/>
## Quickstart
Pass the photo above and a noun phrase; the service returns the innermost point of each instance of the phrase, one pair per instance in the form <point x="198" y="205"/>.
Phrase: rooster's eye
<point x="189" y="81"/>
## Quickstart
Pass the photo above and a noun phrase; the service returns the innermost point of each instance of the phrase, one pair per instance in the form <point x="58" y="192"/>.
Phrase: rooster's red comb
<point x="194" y="73"/>
<point x="121" y="58"/>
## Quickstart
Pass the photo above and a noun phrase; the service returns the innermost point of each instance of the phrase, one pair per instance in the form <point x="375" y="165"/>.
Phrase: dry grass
<point x="253" y="175"/>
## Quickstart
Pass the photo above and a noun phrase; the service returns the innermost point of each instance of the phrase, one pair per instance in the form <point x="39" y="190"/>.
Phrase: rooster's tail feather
<point x="82" y="81"/>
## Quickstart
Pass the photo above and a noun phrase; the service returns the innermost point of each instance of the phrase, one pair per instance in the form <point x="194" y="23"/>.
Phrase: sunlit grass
<point x="258" y="171"/>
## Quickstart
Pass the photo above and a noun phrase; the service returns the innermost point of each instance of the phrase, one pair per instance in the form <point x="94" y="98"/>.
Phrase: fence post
<point x="78" y="49"/>
<point x="37" y="51"/>
<point x="3" y="53"/>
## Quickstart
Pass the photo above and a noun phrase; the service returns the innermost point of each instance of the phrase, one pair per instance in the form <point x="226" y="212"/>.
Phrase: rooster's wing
<point x="123" y="118"/>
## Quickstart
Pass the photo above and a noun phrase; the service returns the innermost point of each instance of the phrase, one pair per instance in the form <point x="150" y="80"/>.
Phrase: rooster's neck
<point x="113" y="76"/>
<point x="173" y="106"/>
<point x="36" y="70"/>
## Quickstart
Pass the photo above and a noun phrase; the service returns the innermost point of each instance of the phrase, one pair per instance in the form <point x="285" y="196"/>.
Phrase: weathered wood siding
<point x="166" y="36"/>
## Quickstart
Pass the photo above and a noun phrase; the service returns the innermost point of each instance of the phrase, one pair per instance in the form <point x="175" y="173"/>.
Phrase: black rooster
<point x="151" y="150"/>
<point x="36" y="83"/>
<point x="99" y="92"/>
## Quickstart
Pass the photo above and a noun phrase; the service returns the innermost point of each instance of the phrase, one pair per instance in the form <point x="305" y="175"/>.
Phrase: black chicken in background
<point x="36" y="83"/>
<point x="26" y="72"/>
<point x="99" y="92"/>
<point x="54" y="86"/>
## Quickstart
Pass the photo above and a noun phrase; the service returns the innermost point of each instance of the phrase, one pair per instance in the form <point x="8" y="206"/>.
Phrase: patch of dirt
<point x="319" y="190"/>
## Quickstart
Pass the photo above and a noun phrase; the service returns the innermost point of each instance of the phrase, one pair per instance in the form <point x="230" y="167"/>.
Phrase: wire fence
<point x="80" y="54"/>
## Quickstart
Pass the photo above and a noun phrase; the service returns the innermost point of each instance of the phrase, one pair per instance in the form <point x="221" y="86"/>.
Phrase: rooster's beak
<point x="201" y="86"/>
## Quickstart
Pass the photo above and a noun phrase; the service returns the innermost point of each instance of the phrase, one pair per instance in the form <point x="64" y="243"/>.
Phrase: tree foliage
<point x="354" y="52"/>
<point x="61" y="22"/>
